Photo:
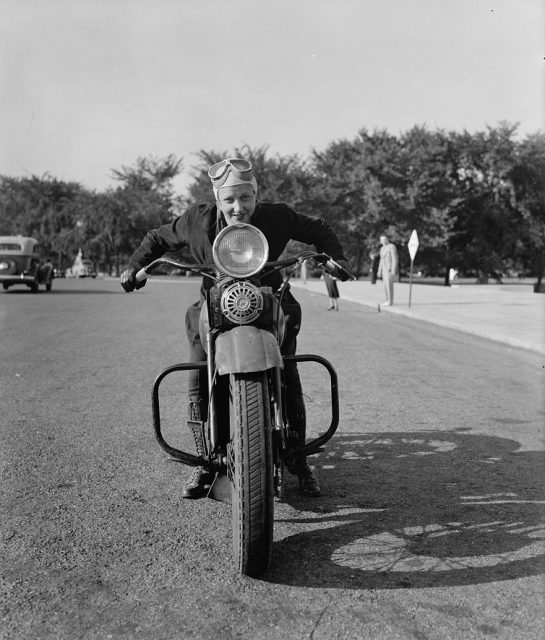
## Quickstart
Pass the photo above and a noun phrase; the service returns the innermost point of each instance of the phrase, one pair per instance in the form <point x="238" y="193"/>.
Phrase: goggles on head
<point x="219" y="172"/>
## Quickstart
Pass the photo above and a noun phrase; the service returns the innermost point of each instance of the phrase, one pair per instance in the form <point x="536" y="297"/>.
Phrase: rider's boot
<point x="199" y="482"/>
<point x="308" y="485"/>
<point x="299" y="465"/>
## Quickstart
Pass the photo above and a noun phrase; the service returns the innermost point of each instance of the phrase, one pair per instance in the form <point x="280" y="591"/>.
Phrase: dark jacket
<point x="198" y="226"/>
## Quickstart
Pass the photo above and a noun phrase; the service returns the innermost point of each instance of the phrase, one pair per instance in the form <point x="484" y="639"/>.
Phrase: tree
<point x="488" y="221"/>
<point x="151" y="174"/>
<point x="338" y="178"/>
<point x="380" y="183"/>
<point x="42" y="208"/>
<point x="477" y="200"/>
<point x="144" y="200"/>
<point x="528" y="177"/>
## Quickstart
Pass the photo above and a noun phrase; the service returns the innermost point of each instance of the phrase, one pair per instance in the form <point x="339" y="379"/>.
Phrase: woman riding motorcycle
<point x="235" y="190"/>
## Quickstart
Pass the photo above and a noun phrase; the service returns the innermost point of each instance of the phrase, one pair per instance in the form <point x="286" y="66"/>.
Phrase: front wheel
<point x="251" y="471"/>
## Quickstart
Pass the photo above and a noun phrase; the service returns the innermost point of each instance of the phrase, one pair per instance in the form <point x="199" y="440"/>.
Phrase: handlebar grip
<point x="333" y="267"/>
<point x="141" y="275"/>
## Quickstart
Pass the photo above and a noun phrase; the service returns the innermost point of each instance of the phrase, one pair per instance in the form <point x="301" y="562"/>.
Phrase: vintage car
<point x="85" y="270"/>
<point x="21" y="263"/>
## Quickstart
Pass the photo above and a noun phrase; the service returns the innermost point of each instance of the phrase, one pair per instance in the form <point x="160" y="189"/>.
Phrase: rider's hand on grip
<point x="346" y="273"/>
<point x="128" y="280"/>
<point x="340" y="269"/>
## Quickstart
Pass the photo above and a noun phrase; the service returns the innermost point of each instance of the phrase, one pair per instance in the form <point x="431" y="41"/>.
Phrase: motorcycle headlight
<point x="240" y="250"/>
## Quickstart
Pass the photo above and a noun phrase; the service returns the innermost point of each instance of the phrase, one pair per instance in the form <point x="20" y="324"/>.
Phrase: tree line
<point x="477" y="200"/>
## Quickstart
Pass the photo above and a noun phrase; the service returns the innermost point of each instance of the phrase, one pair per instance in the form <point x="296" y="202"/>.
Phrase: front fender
<point x="246" y="349"/>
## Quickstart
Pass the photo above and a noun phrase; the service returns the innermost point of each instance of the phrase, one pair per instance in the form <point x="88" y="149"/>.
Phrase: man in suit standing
<point x="387" y="269"/>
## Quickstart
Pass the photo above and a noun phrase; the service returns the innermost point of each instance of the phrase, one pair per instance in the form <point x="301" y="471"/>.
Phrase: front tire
<point x="251" y="471"/>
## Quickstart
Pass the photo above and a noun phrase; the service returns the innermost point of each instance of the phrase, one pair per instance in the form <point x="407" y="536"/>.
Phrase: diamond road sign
<point x="413" y="244"/>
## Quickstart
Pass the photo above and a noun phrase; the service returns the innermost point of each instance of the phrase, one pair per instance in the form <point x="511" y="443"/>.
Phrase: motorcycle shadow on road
<point x="415" y="510"/>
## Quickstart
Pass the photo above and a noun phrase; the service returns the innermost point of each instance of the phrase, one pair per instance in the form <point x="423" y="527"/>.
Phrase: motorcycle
<point x="247" y="436"/>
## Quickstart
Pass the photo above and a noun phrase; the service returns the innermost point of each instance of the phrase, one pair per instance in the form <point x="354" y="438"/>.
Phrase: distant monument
<point x="81" y="268"/>
<point x="77" y="267"/>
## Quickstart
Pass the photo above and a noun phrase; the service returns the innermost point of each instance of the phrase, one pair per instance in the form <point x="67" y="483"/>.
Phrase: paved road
<point x="431" y="524"/>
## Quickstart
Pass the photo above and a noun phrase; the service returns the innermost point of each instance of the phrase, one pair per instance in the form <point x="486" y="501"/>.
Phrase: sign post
<point x="413" y="248"/>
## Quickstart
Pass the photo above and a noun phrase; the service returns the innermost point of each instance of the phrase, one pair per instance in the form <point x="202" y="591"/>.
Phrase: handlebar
<point x="143" y="273"/>
<point x="330" y="265"/>
<point x="334" y="268"/>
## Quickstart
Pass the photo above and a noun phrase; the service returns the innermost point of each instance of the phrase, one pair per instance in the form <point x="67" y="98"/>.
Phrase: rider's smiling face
<point x="237" y="203"/>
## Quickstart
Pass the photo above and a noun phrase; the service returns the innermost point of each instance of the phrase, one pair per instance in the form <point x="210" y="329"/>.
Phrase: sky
<point x="88" y="86"/>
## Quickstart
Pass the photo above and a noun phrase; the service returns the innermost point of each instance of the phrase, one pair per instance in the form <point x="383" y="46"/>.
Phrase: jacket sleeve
<point x="315" y="231"/>
<point x="168" y="237"/>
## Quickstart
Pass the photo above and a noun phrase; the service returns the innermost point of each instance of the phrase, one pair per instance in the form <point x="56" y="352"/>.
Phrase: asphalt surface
<point x="431" y="525"/>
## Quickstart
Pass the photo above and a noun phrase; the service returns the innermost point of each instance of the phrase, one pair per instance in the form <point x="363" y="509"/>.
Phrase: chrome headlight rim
<point x="220" y="263"/>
